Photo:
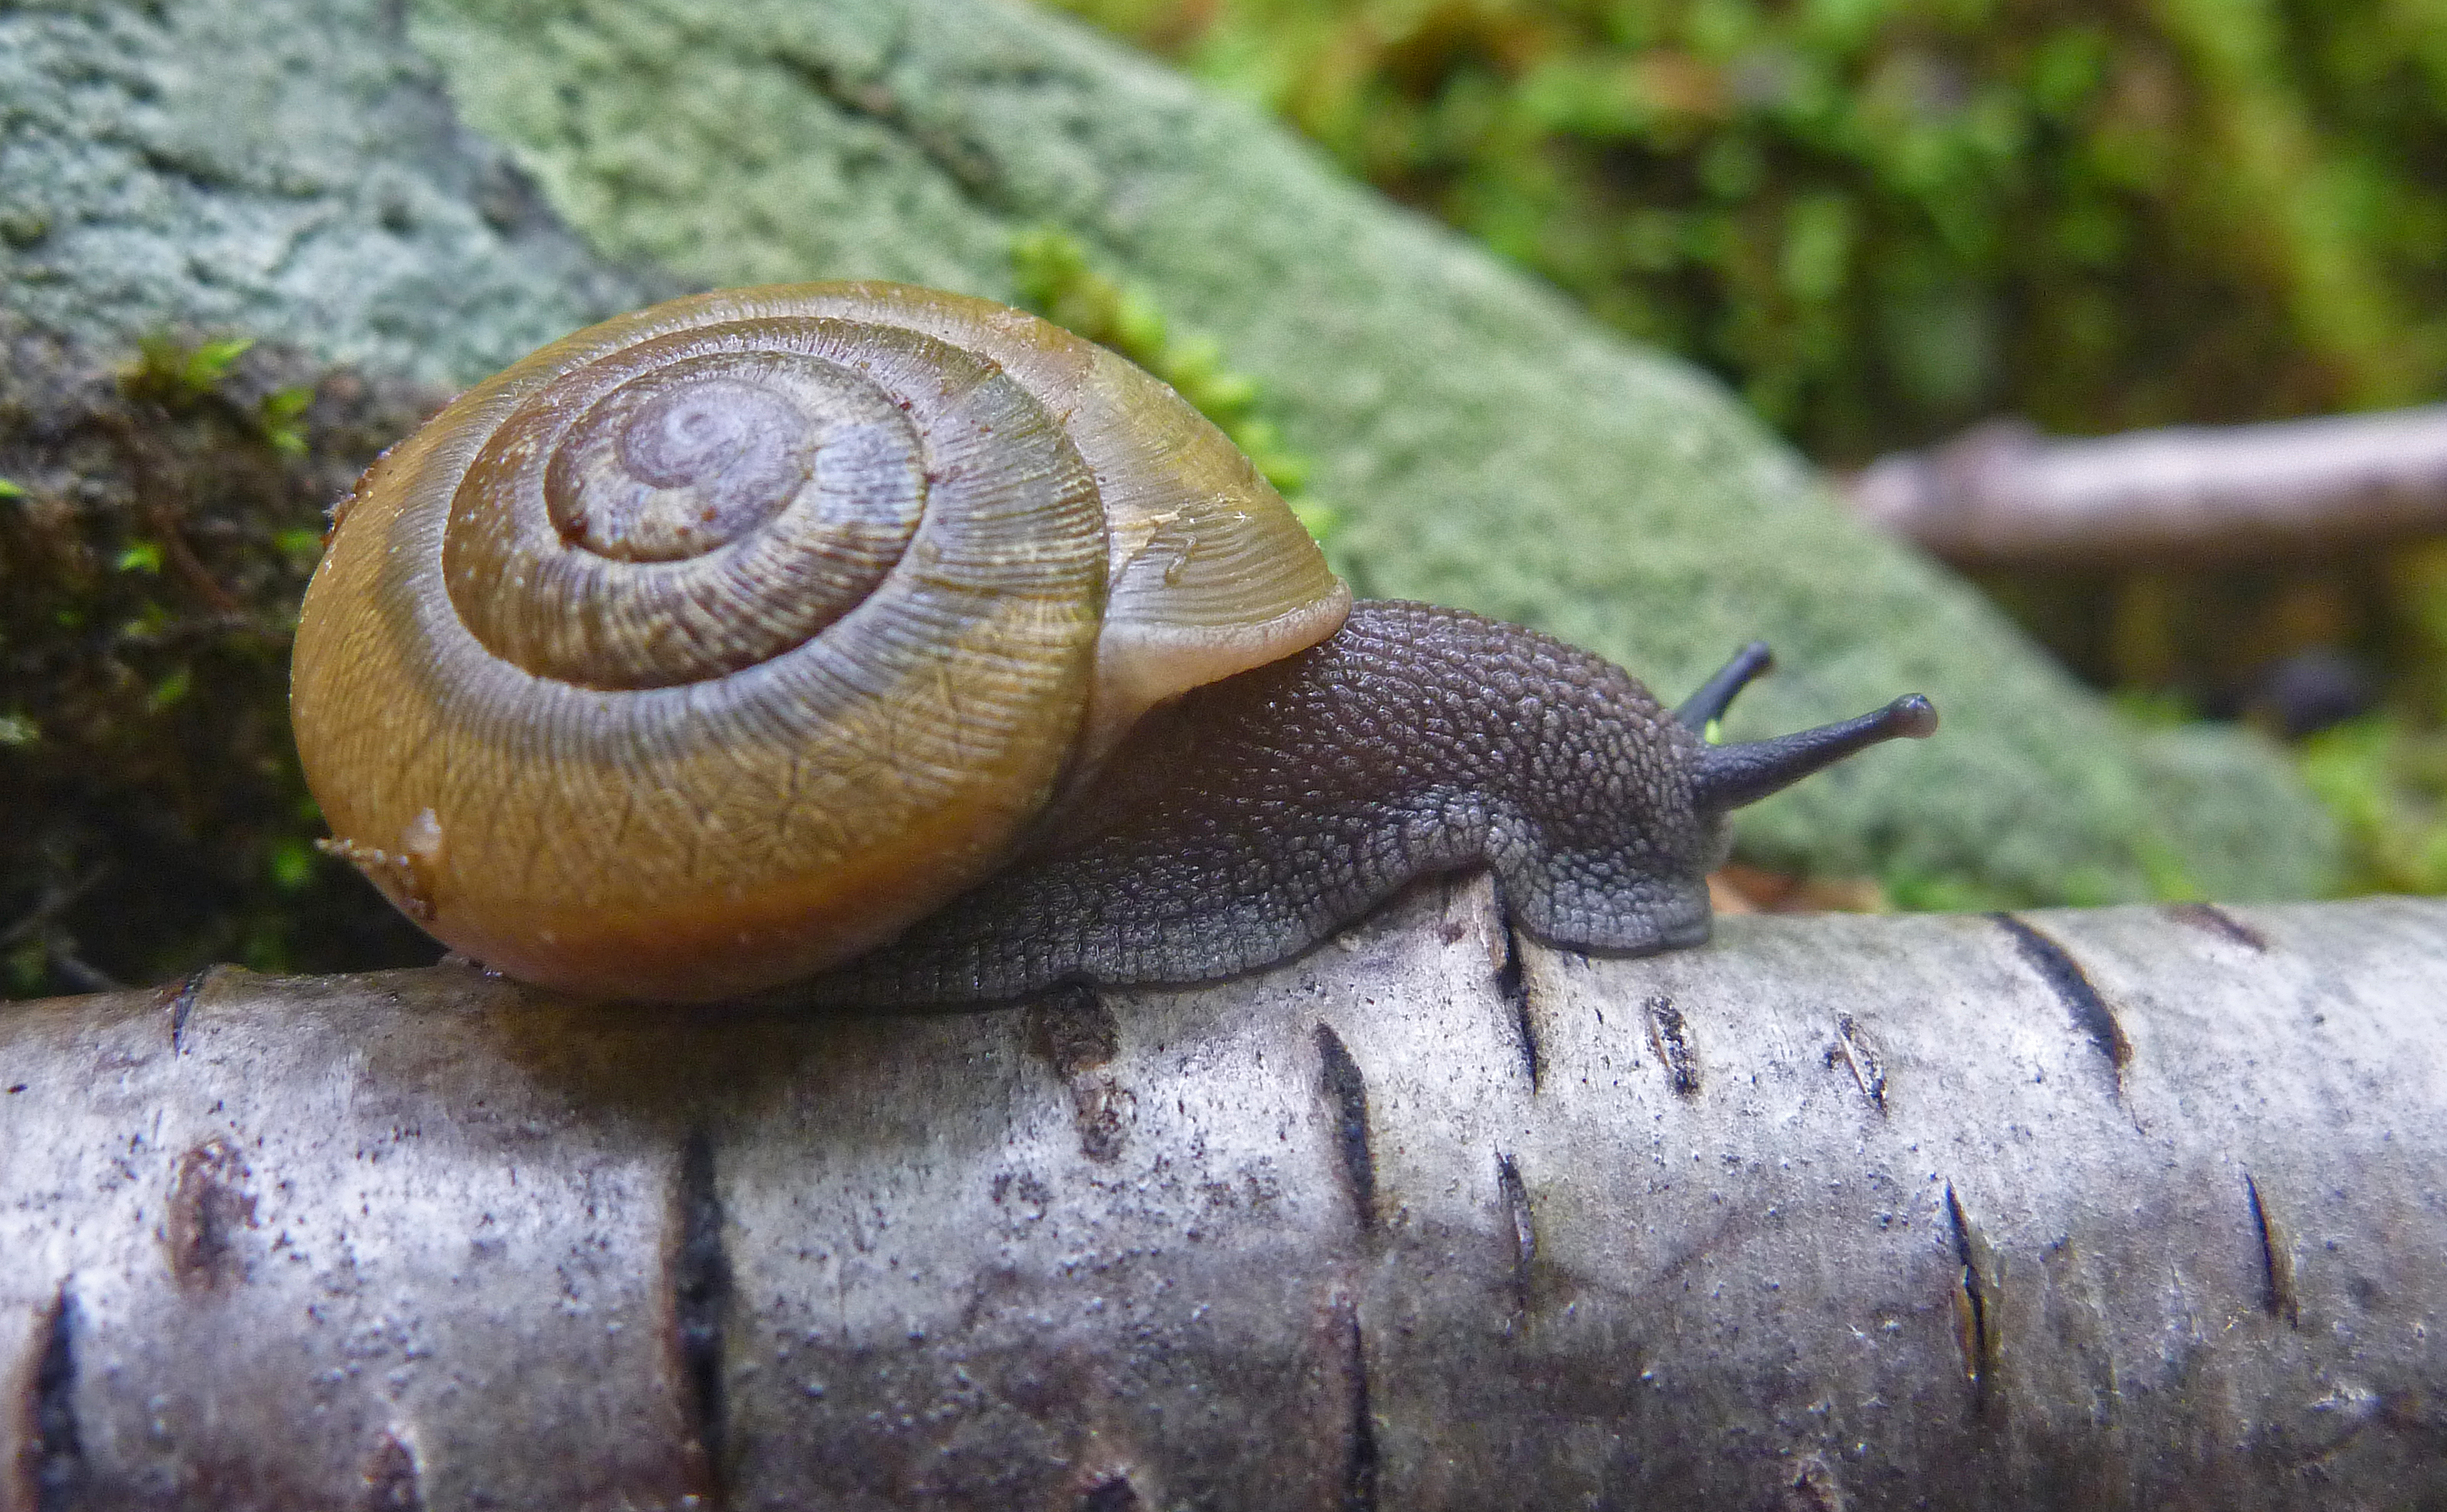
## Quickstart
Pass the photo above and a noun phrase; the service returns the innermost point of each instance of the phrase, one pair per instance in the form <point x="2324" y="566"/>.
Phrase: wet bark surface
<point x="2124" y="1208"/>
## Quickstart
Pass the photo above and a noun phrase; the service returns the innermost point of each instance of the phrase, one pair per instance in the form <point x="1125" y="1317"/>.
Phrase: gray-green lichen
<point x="288" y="170"/>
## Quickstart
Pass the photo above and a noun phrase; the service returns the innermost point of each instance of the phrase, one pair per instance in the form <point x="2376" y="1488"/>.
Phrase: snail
<point x="902" y="641"/>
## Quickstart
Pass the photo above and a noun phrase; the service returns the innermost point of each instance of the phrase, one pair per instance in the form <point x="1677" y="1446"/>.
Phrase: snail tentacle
<point x="1726" y="777"/>
<point x="1717" y="694"/>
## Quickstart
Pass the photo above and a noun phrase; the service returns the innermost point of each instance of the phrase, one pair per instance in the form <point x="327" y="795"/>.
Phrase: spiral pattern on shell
<point x="709" y="647"/>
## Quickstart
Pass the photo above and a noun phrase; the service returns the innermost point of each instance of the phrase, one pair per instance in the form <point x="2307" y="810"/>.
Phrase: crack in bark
<point x="1359" y="1439"/>
<point x="55" y="1455"/>
<point x="1514" y="991"/>
<point x="700" y="1299"/>
<point x="1979" y="1307"/>
<point x="1338" y="1078"/>
<point x="1859" y="1053"/>
<point x="184" y="1004"/>
<point x="1525" y="1233"/>
<point x="2072" y="987"/>
<point x="1669" y="1034"/>
<point x="2278" y="1296"/>
<point x="2218" y="921"/>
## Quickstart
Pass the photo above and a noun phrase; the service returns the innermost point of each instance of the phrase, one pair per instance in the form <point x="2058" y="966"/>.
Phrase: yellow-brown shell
<point x="710" y="646"/>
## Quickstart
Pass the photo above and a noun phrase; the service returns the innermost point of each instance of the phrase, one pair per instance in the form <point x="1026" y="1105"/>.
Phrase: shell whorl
<point x="702" y="502"/>
<point x="710" y="646"/>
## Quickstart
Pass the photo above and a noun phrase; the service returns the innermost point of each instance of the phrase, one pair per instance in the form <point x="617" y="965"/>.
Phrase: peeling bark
<point x="1838" y="1211"/>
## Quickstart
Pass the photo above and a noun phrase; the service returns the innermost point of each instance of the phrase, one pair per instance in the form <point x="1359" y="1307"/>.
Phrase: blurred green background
<point x="1882" y="220"/>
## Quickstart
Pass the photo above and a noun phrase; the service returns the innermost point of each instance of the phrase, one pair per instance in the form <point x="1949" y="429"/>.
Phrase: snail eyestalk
<point x="1717" y="694"/>
<point x="1727" y="777"/>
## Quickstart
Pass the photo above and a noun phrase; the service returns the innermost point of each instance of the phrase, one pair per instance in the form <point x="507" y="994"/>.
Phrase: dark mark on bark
<point x="184" y="1003"/>
<point x="1814" y="1487"/>
<point x="1346" y="1093"/>
<point x="1977" y="1306"/>
<point x="1525" y="1233"/>
<point x="700" y="1301"/>
<point x="55" y="1452"/>
<point x="2065" y="978"/>
<point x="208" y="1204"/>
<point x="1359" y="1439"/>
<point x="391" y="1478"/>
<point x="1859" y="1053"/>
<point x="1115" y="1493"/>
<point x="2419" y="1414"/>
<point x="1101" y="1108"/>
<point x="1670" y="1036"/>
<point x="2218" y="921"/>
<point x="2338" y="1419"/>
<point x="2278" y="1295"/>
<point x="1074" y="1030"/>
<point x="1515" y="993"/>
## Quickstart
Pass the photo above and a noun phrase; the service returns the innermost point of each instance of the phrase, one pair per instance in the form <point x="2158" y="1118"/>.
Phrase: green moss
<point x="171" y="690"/>
<point x="1055" y="279"/>
<point x="1883" y="226"/>
<point x="154" y="559"/>
<point x="2387" y="783"/>
<point x="179" y="374"/>
<point x="1919" y="892"/>
<point x="291" y="864"/>
<point x="278" y="416"/>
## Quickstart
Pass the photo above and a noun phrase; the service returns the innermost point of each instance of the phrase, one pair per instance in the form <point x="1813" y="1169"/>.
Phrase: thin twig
<point x="2002" y="494"/>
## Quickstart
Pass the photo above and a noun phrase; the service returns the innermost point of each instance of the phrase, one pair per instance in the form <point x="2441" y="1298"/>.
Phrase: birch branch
<point x="2124" y="1208"/>
<point x="2004" y="495"/>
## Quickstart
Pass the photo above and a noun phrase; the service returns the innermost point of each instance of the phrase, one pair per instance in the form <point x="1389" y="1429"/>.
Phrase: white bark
<point x="2127" y="1208"/>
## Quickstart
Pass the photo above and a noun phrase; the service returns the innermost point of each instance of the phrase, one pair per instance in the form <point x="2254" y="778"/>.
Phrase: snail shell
<point x="712" y="645"/>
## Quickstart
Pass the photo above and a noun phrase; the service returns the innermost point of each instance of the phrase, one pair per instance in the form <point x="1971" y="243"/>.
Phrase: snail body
<point x="714" y="646"/>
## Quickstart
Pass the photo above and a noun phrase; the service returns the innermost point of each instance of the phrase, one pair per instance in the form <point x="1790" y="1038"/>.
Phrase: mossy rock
<point x="424" y="188"/>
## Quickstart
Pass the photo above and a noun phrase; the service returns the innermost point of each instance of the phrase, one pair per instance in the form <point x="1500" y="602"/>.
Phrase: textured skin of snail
<point x="715" y="647"/>
<point x="1257" y="815"/>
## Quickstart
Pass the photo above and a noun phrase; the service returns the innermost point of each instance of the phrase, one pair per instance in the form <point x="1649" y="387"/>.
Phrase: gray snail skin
<point x="897" y="636"/>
